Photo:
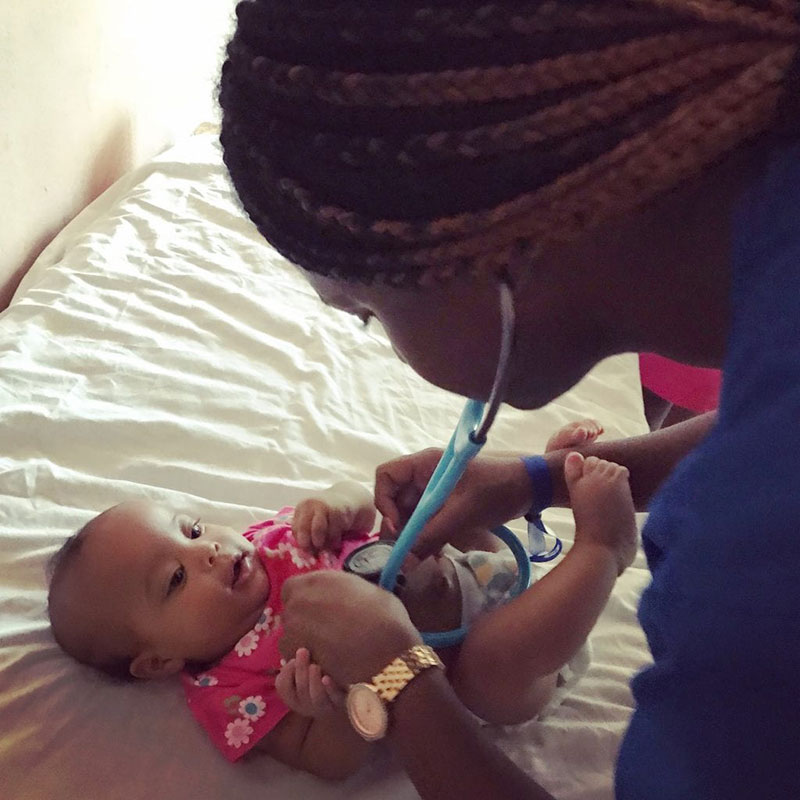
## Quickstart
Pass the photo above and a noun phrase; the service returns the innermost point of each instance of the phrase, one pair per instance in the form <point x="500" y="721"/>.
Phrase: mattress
<point x="160" y="349"/>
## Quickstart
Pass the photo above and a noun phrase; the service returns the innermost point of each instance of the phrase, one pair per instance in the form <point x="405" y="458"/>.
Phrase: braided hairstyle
<point x="413" y="140"/>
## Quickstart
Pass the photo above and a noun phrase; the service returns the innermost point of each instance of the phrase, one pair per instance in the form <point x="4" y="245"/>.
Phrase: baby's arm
<point x="321" y="521"/>
<point x="327" y="747"/>
<point x="315" y="735"/>
<point x="505" y="669"/>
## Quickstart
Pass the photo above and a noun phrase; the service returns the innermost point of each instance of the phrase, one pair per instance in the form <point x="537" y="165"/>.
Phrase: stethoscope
<point x="465" y="443"/>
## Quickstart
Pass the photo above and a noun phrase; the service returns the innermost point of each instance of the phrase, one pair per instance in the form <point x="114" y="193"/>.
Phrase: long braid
<point x="476" y="85"/>
<point x="485" y="130"/>
<point x="597" y="107"/>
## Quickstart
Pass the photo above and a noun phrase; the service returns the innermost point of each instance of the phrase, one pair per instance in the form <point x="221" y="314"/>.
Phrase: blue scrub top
<point x="718" y="714"/>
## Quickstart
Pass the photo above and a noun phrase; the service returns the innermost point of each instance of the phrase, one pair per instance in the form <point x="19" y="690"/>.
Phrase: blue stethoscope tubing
<point x="460" y="451"/>
<point x="466" y="442"/>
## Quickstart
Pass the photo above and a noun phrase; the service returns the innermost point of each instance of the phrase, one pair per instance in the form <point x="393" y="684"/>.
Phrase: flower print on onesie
<point x="235" y="700"/>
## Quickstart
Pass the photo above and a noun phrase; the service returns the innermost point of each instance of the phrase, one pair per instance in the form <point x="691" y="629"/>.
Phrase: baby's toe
<point x="592" y="465"/>
<point x="574" y="467"/>
<point x="589" y="429"/>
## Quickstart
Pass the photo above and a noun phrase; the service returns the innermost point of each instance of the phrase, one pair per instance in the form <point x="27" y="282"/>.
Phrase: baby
<point x="144" y="592"/>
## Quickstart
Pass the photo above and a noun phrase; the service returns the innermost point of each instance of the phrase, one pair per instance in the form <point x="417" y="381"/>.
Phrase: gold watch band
<point x="394" y="677"/>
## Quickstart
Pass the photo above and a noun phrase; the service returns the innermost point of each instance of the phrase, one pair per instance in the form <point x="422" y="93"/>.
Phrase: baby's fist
<point x="316" y="526"/>
<point x="303" y="687"/>
<point x="322" y="521"/>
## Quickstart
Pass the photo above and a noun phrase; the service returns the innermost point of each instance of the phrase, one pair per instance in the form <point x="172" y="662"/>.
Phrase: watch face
<point x="367" y="712"/>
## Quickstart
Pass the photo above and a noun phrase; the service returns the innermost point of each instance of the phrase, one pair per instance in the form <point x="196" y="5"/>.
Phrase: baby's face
<point x="184" y="589"/>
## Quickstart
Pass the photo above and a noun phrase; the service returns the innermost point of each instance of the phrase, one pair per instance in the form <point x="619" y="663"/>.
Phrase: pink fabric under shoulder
<point x="235" y="700"/>
<point x="695" y="388"/>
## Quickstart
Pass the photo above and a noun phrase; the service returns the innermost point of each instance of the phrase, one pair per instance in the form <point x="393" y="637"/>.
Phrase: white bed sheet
<point x="160" y="349"/>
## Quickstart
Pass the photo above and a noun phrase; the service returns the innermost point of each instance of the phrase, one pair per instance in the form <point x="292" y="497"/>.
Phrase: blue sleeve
<point x="718" y="713"/>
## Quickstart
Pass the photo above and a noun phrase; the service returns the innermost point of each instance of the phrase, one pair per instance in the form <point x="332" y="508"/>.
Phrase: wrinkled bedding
<point x="159" y="348"/>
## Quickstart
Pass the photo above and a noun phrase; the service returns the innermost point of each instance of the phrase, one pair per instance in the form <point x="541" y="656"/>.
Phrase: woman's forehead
<point x="356" y="296"/>
<point x="335" y="292"/>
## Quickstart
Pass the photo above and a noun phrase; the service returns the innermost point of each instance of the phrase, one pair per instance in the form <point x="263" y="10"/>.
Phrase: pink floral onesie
<point x="235" y="701"/>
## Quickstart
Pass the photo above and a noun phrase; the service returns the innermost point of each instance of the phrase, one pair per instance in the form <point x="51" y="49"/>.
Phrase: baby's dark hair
<point x="57" y="569"/>
<point x="411" y="140"/>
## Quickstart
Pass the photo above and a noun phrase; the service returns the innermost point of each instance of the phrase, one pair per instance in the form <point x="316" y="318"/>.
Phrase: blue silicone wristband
<point x="541" y="483"/>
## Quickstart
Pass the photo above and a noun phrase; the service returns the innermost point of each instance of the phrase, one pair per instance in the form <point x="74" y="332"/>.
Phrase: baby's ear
<point x="148" y="666"/>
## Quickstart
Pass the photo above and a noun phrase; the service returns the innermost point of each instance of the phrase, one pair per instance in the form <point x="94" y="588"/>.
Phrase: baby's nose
<point x="211" y="552"/>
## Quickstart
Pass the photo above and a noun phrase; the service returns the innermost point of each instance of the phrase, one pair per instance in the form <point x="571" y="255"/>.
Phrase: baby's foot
<point x="600" y="496"/>
<point x="576" y="434"/>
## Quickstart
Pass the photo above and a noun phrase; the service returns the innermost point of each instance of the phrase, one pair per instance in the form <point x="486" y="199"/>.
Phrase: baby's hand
<point x="320" y="522"/>
<point x="576" y="434"/>
<point x="303" y="687"/>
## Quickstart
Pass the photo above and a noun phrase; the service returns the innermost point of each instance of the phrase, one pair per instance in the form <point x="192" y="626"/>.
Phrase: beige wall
<point x="89" y="89"/>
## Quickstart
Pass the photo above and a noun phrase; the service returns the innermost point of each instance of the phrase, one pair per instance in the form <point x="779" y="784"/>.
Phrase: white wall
<point x="89" y="89"/>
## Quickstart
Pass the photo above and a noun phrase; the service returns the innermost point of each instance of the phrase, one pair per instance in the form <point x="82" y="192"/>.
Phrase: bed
<point x="159" y="348"/>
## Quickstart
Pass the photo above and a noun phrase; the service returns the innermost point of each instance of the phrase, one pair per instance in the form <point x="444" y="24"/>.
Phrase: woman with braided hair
<point x="631" y="170"/>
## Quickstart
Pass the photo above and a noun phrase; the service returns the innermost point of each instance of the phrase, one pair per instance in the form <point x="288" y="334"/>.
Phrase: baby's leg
<point x="497" y="689"/>
<point x="490" y="697"/>
<point x="506" y="669"/>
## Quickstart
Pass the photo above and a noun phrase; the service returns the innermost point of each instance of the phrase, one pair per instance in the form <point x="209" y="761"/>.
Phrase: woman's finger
<point x="335" y="695"/>
<point x="443" y="526"/>
<point x="387" y="482"/>
<point x="399" y="483"/>
<point x="388" y="529"/>
<point x="316" y="691"/>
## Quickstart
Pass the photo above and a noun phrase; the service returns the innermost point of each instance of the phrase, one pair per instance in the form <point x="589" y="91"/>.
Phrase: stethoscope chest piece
<point x="368" y="561"/>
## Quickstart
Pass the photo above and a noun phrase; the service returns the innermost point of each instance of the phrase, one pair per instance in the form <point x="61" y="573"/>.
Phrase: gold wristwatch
<point x="368" y="703"/>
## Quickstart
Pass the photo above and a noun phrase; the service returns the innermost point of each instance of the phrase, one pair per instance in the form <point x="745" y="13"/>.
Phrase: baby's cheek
<point x="215" y="630"/>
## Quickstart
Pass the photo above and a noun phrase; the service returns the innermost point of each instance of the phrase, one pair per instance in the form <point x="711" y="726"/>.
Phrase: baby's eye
<point x="178" y="577"/>
<point x="196" y="530"/>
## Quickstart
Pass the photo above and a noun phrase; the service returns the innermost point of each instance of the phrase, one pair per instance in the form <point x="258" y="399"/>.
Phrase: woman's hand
<point x="351" y="627"/>
<point x="492" y="491"/>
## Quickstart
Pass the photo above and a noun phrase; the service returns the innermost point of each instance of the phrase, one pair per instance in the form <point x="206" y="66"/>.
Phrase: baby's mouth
<point x="237" y="570"/>
<point x="241" y="570"/>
